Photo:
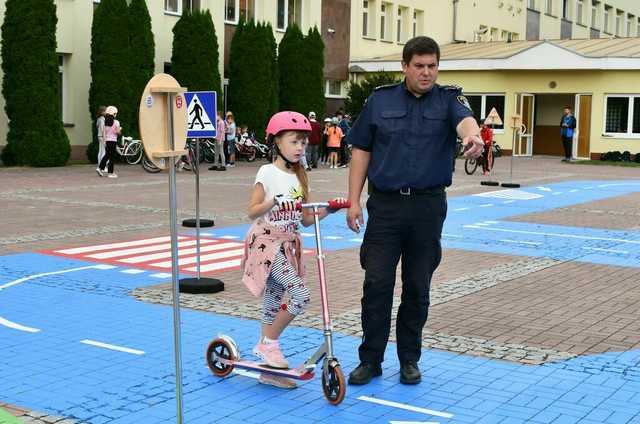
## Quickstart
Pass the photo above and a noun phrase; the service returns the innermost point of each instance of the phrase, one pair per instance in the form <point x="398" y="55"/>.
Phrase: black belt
<point x="410" y="191"/>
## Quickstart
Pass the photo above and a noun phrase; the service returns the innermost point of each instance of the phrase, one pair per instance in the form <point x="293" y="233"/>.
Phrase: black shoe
<point x="213" y="168"/>
<point x="364" y="373"/>
<point x="222" y="168"/>
<point x="410" y="373"/>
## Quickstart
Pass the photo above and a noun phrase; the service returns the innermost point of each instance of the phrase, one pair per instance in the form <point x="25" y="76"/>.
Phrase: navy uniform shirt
<point x="411" y="139"/>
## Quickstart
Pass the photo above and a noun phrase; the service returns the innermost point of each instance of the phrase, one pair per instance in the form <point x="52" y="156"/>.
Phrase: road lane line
<point x="44" y="274"/>
<point x="112" y="347"/>
<point x="17" y="326"/>
<point x="406" y="407"/>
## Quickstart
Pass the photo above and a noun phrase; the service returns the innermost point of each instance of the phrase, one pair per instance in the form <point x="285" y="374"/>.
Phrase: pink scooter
<point x="223" y="354"/>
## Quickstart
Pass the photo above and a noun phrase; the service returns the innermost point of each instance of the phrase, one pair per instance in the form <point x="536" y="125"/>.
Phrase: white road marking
<point x="574" y="190"/>
<point x="492" y="222"/>
<point x="216" y="265"/>
<point x="508" y="201"/>
<point x="482" y="224"/>
<point x="555" y="193"/>
<point x="461" y="209"/>
<point x="357" y="240"/>
<point x="229" y="237"/>
<point x="486" y="205"/>
<point x="161" y="275"/>
<point x="167" y="254"/>
<point x="544" y="188"/>
<point x="112" y="347"/>
<point x="114" y="245"/>
<point x="307" y="234"/>
<point x="406" y="407"/>
<point x="452" y="235"/>
<point x="624" y="252"/>
<point x="17" y="326"/>
<point x="44" y="274"/>
<point x="332" y="237"/>
<point x="539" y="233"/>
<point x="133" y="271"/>
<point x="203" y="258"/>
<point x="521" y="242"/>
<point x="146" y="249"/>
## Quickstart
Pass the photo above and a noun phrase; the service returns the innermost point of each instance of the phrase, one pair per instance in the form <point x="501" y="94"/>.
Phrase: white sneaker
<point x="99" y="171"/>
<point x="112" y="175"/>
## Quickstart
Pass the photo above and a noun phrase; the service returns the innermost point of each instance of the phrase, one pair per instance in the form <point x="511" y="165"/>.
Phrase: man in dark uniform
<point x="404" y="141"/>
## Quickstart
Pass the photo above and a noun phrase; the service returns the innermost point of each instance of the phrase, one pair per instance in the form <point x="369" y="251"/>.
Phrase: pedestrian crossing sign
<point x="201" y="114"/>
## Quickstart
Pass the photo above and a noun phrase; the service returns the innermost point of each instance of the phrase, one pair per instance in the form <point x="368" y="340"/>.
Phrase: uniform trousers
<point x="406" y="227"/>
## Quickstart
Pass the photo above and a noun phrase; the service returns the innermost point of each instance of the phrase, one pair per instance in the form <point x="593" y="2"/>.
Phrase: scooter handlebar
<point x="332" y="204"/>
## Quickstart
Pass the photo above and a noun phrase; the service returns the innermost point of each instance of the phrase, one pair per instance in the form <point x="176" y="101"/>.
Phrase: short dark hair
<point x="420" y="45"/>
<point x="568" y="107"/>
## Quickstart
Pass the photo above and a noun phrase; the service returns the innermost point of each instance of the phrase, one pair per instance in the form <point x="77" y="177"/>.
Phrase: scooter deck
<point x="299" y="373"/>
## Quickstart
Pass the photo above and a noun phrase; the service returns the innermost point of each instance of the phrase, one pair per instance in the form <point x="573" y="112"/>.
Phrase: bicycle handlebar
<point x="332" y="204"/>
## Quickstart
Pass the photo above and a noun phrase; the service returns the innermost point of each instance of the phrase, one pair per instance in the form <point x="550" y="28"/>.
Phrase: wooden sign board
<point x="154" y="118"/>
<point x="516" y="121"/>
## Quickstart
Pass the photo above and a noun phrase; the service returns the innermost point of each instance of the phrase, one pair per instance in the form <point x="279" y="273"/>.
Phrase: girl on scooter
<point x="272" y="263"/>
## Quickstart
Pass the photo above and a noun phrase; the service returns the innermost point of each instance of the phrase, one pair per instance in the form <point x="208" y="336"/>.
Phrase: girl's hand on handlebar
<point x="285" y="204"/>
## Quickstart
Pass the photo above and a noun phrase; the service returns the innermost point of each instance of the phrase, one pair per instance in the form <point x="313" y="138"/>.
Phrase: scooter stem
<point x="324" y="299"/>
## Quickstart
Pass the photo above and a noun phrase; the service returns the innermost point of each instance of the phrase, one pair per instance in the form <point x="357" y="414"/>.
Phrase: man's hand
<point x="473" y="146"/>
<point x="354" y="217"/>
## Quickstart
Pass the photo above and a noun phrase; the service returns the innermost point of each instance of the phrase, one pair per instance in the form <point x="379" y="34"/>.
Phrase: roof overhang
<point x="544" y="56"/>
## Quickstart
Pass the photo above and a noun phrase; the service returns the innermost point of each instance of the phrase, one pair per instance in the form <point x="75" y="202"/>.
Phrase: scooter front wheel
<point x="220" y="348"/>
<point x="333" y="382"/>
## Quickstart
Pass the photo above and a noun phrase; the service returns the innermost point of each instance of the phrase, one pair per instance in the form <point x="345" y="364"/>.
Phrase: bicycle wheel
<point x="470" y="166"/>
<point x="149" y="166"/>
<point x="133" y="153"/>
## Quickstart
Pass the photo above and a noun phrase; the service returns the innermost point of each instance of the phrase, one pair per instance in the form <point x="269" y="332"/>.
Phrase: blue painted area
<point x="481" y="223"/>
<point x="52" y="371"/>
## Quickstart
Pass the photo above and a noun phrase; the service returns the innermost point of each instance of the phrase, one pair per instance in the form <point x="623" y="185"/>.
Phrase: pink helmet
<point x="287" y="121"/>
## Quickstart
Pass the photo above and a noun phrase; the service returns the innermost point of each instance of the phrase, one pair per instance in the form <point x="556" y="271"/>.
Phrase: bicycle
<point x="470" y="165"/>
<point x="131" y="150"/>
<point x="184" y="163"/>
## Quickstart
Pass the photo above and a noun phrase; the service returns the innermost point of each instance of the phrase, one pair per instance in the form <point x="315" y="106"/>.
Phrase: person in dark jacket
<point x="567" y="128"/>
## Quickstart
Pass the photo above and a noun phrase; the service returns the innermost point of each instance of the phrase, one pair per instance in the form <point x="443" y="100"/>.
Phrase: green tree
<point x="142" y="51"/>
<point x="111" y="66"/>
<point x="194" y="59"/>
<point x="359" y="92"/>
<point x="292" y="68"/>
<point x="314" y="56"/>
<point x="31" y="85"/>
<point x="253" y="94"/>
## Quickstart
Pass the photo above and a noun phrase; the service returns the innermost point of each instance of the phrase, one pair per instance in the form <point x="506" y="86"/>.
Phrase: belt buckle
<point x="405" y="191"/>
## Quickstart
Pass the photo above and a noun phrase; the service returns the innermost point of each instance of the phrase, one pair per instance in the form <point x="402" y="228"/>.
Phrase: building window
<point x="638" y="28"/>
<point x="399" y="35"/>
<point x="607" y="18"/>
<point x="172" y="6"/>
<point x="247" y="8"/>
<point x="619" y="23"/>
<point x="481" y="105"/>
<point x="365" y="18"/>
<point x="281" y="15"/>
<point x="630" y="20"/>
<point x="579" y="12"/>
<point x="383" y="19"/>
<point x="333" y="88"/>
<point x="531" y="4"/>
<point x="549" y="8"/>
<point x="622" y="115"/>
<point x="417" y="22"/>
<point x="62" y="94"/>
<point x="231" y="11"/>
<point x="594" y="14"/>
<point x="294" y="12"/>
<point x="190" y="5"/>
<point x="565" y="9"/>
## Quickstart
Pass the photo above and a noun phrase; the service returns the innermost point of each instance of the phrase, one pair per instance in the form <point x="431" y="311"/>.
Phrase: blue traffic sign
<point x="201" y="114"/>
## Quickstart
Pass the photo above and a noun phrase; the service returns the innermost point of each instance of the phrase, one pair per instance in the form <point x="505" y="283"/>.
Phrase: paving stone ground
<point x="514" y="308"/>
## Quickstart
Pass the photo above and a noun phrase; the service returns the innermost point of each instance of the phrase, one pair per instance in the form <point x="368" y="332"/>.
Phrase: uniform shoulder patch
<point x="381" y="87"/>
<point x="464" y="102"/>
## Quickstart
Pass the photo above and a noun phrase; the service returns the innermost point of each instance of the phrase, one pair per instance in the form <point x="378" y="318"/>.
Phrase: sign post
<point x="516" y="126"/>
<point x="163" y="102"/>
<point x="201" y="123"/>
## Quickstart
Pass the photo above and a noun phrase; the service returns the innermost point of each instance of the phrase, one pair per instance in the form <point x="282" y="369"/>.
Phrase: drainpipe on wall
<point x="455" y="22"/>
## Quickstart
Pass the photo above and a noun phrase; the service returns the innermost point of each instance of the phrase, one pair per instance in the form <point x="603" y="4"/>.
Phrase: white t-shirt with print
<point x="275" y="181"/>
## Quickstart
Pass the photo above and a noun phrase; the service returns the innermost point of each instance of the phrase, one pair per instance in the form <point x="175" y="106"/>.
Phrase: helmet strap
<point x="287" y="162"/>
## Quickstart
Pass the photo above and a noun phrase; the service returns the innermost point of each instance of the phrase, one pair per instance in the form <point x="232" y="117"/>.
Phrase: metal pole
<point x="174" y="261"/>
<point x="197" y="171"/>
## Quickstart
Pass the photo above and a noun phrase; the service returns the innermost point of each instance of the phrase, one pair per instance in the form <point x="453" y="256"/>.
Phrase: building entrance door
<point x="582" y="149"/>
<point x="525" y="104"/>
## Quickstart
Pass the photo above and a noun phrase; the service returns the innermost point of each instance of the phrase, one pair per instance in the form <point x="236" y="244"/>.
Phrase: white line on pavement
<point x="406" y="407"/>
<point x="16" y="326"/>
<point x="606" y="250"/>
<point x="486" y="205"/>
<point x="44" y="274"/>
<point x="413" y="422"/>
<point x="85" y="249"/>
<point x="133" y="271"/>
<point x="112" y="347"/>
<point x="539" y="233"/>
<point x="461" y="209"/>
<point x="521" y="242"/>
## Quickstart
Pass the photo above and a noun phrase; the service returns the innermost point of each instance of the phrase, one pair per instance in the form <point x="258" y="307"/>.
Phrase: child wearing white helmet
<point x="111" y="132"/>
<point x="272" y="264"/>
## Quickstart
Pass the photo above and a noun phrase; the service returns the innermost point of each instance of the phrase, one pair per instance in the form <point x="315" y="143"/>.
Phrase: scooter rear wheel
<point x="220" y="348"/>
<point x="333" y="383"/>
